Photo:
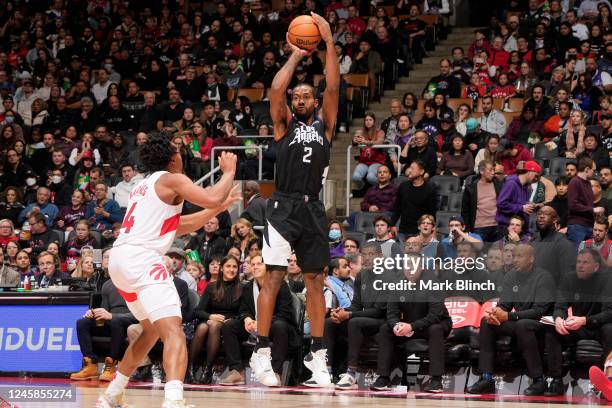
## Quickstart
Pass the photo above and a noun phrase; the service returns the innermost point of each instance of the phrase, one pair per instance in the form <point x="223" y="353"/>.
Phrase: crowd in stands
<point x="505" y="153"/>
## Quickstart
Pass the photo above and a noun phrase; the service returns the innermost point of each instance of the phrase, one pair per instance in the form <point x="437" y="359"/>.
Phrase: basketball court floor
<point x="149" y="395"/>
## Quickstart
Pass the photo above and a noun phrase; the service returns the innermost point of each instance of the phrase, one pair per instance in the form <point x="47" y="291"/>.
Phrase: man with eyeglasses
<point x="42" y="235"/>
<point x="499" y="173"/>
<point x="14" y="171"/>
<point x="7" y="233"/>
<point x="351" y="246"/>
<point x="103" y="211"/>
<point x="49" y="275"/>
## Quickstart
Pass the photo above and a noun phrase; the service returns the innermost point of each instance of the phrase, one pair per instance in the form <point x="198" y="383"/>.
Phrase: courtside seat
<point x="295" y="355"/>
<point x="588" y="352"/>
<point x="446" y="186"/>
<point x="364" y="220"/>
<point x="557" y="166"/>
<point x="358" y="236"/>
<point x="442" y="218"/>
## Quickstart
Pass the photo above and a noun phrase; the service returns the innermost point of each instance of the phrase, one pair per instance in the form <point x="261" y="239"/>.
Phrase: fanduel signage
<point x="40" y="338"/>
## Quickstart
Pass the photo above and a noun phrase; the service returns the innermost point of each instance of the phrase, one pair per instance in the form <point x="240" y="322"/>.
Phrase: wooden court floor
<point x="149" y="396"/>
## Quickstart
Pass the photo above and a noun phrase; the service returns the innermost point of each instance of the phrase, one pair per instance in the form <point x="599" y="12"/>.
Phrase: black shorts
<point x="295" y="223"/>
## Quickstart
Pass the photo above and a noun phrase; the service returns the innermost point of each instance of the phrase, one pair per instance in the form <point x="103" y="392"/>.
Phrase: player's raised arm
<point x="279" y="111"/>
<point x="193" y="222"/>
<point x="209" y="197"/>
<point x="329" y="111"/>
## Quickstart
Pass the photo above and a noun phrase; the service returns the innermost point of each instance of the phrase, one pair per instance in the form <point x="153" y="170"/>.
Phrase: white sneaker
<point x="347" y="382"/>
<point x="176" y="404"/>
<point x="107" y="401"/>
<point x="317" y="363"/>
<point x="261" y="364"/>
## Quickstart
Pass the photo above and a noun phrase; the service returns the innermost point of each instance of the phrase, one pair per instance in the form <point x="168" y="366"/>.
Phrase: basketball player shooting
<point x="136" y="265"/>
<point x="295" y="217"/>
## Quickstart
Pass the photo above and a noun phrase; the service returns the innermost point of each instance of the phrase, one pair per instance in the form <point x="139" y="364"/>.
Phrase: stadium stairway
<point x="415" y="82"/>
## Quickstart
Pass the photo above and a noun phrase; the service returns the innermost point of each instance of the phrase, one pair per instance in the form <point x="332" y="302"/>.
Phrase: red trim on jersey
<point x="170" y="224"/>
<point x="129" y="297"/>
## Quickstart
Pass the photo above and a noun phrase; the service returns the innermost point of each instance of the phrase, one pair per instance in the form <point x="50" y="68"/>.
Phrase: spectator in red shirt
<point x="480" y="44"/>
<point x="355" y="23"/>
<point x="512" y="155"/>
<point x="498" y="57"/>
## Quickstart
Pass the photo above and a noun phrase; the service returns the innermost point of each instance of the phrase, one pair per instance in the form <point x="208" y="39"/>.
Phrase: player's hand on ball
<point x="297" y="50"/>
<point x="323" y="25"/>
<point x="227" y="162"/>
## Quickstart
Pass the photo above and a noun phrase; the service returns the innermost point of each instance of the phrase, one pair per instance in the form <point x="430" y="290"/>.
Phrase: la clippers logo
<point x="306" y="134"/>
<point x="159" y="272"/>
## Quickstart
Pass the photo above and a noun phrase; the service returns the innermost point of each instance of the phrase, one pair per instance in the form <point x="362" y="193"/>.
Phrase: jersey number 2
<point x="128" y="221"/>
<point x="307" y="154"/>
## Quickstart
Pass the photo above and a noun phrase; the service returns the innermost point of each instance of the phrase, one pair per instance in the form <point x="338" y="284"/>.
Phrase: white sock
<point x="118" y="384"/>
<point x="174" y="390"/>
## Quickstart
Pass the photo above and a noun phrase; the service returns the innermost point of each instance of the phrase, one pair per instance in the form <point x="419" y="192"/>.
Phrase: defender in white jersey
<point x="136" y="264"/>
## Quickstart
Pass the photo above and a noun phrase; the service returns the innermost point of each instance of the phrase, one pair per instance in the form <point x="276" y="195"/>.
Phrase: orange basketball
<point x="304" y="33"/>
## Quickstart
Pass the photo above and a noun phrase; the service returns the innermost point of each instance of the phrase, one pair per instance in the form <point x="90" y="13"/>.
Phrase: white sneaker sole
<point x="324" y="383"/>
<point x="343" y="387"/>
<point x="269" y="383"/>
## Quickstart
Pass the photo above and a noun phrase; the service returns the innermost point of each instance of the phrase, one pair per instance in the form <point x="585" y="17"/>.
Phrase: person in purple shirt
<point x="381" y="197"/>
<point x="336" y="240"/>
<point x="513" y="199"/>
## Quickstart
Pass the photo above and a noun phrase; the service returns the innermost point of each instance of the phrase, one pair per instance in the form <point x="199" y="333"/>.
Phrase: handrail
<point x="348" y="168"/>
<point x="207" y="175"/>
<point x="216" y="148"/>
<point x="255" y="136"/>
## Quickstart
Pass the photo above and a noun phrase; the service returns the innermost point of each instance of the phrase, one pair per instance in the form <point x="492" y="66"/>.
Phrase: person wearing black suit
<point x="256" y="204"/>
<point x="363" y="318"/>
<point x="587" y="293"/>
<point x="422" y="316"/>
<point x="282" y="332"/>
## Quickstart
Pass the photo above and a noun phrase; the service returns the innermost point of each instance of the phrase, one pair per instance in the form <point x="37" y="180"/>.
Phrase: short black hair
<point x="157" y="153"/>
<point x="127" y="164"/>
<point x="562" y="181"/>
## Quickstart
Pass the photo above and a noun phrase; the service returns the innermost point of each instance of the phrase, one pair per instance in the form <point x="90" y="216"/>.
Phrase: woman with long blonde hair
<point x="572" y="143"/>
<point x="84" y="268"/>
<point x="242" y="233"/>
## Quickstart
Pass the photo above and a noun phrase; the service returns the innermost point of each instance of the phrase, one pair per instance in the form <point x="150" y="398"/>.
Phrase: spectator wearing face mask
<point x="61" y="192"/>
<point x="336" y="239"/>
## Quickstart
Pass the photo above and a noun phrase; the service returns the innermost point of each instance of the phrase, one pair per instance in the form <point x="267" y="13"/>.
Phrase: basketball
<point x="304" y="33"/>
